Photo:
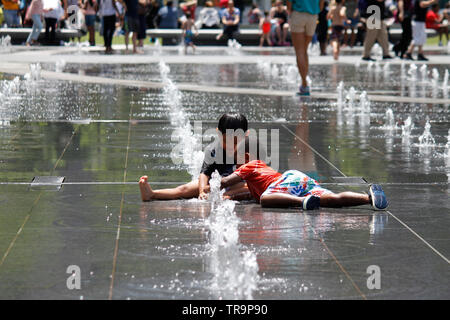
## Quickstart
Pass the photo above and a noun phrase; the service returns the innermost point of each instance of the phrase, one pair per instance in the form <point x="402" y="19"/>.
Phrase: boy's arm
<point x="203" y="180"/>
<point x="229" y="181"/>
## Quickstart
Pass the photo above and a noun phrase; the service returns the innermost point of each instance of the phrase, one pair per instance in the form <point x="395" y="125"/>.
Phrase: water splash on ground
<point x="235" y="272"/>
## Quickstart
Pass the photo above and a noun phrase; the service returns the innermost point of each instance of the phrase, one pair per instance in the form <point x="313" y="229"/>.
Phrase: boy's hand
<point x="203" y="195"/>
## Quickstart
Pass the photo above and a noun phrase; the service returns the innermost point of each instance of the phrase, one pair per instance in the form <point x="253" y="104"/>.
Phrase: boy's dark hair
<point x="188" y="15"/>
<point x="266" y="13"/>
<point x="232" y="121"/>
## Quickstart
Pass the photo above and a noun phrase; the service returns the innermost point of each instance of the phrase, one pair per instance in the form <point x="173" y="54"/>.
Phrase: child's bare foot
<point x="146" y="190"/>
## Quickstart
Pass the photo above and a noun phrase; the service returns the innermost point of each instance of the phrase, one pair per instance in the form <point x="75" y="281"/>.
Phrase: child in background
<point x="188" y="35"/>
<point x="265" y="26"/>
<point x="200" y="188"/>
<point x="338" y="16"/>
<point x="293" y="188"/>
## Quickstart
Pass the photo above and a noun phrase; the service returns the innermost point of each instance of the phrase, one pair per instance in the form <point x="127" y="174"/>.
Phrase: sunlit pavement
<point x="103" y="121"/>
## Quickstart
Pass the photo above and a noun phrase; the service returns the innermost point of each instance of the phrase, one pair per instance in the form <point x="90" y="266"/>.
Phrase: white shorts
<point x="419" y="34"/>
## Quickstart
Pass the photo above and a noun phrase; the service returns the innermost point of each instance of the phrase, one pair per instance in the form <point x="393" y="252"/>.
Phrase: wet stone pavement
<point x="102" y="138"/>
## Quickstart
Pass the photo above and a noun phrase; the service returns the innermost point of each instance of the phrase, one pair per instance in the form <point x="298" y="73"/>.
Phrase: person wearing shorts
<point x="418" y="28"/>
<point x="293" y="188"/>
<point x="133" y="22"/>
<point x="302" y="22"/>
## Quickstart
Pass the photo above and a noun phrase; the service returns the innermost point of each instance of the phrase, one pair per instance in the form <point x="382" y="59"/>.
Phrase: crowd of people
<point x="337" y="23"/>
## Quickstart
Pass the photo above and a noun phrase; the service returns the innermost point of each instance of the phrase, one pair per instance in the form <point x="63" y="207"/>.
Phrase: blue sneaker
<point x="303" y="91"/>
<point x="377" y="197"/>
<point x="311" y="203"/>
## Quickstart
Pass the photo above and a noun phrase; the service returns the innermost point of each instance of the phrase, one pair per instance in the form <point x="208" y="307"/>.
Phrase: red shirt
<point x="223" y="3"/>
<point x="258" y="176"/>
<point x="432" y="20"/>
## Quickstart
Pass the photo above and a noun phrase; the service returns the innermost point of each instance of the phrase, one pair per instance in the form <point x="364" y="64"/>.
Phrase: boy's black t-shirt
<point x="420" y="14"/>
<point x="222" y="167"/>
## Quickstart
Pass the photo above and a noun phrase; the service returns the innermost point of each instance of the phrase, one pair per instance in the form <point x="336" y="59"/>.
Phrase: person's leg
<point x="16" y="19"/>
<point x="345" y="36"/>
<point x="111" y="29"/>
<point x="185" y="191"/>
<point x="134" y="40"/>
<point x="352" y="37"/>
<point x="343" y="199"/>
<point x="53" y="23"/>
<point x="420" y="50"/>
<point x="278" y="33"/>
<point x="369" y="41"/>
<point x="335" y="45"/>
<point x="8" y="18"/>
<point x="382" y="38"/>
<point x="34" y="30"/>
<point x="269" y="42"/>
<point x="38" y="22"/>
<point x="106" y="33"/>
<point x="328" y="200"/>
<point x="280" y="200"/>
<point x="405" y="40"/>
<point x="47" y="30"/>
<point x="285" y="32"/>
<point x="301" y="42"/>
<point x="91" y="30"/>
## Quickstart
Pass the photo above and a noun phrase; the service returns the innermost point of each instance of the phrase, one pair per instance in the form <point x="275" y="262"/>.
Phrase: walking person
<point x="88" y="7"/>
<point x="418" y="28"/>
<point x="405" y="11"/>
<point x="53" y="12"/>
<point x="303" y="21"/>
<point x="338" y="17"/>
<point x="151" y="16"/>
<point x="143" y="9"/>
<point x="377" y="33"/>
<point x="34" y="13"/>
<point x="108" y="10"/>
<point x="132" y="18"/>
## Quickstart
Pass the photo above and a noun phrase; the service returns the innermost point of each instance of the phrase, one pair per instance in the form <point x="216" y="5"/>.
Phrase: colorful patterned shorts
<point x="297" y="184"/>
